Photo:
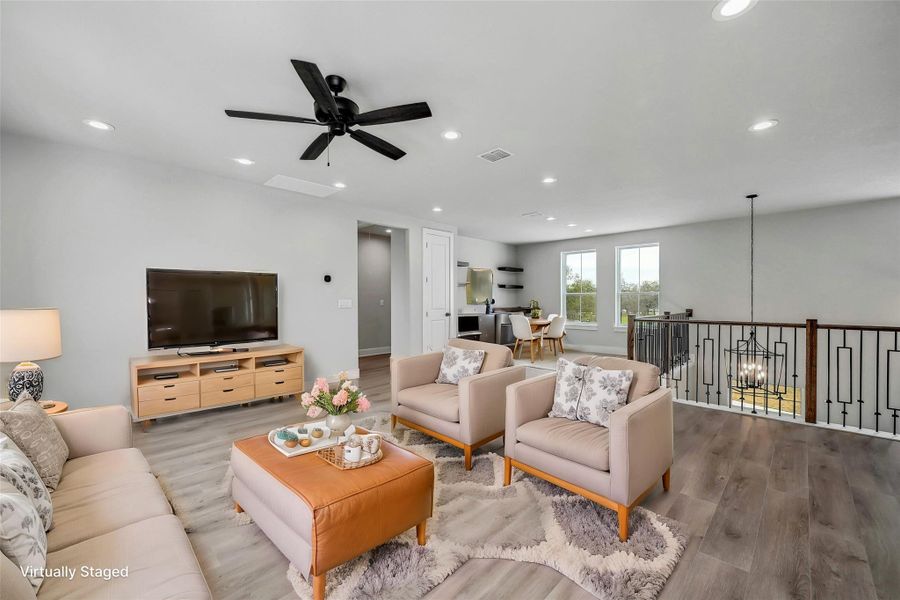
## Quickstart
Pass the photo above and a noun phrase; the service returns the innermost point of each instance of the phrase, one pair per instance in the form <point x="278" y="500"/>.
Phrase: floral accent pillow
<point x="569" y="383"/>
<point x="16" y="469"/>
<point x="458" y="364"/>
<point x="604" y="391"/>
<point x="22" y="536"/>
<point x="35" y="433"/>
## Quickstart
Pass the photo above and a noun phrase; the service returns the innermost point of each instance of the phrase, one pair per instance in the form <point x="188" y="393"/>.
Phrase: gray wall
<point x="78" y="228"/>
<point x="374" y="260"/>
<point x="838" y="264"/>
<point x="490" y="255"/>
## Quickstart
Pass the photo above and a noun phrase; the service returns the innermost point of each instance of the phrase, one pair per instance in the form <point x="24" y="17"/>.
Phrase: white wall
<point x="78" y="227"/>
<point x="838" y="264"/>
<point x="374" y="264"/>
<point x="489" y="255"/>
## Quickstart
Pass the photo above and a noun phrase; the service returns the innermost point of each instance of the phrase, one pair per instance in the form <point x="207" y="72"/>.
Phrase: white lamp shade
<point x="29" y="334"/>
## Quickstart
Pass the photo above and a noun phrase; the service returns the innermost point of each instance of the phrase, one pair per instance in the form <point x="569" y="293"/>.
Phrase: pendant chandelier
<point x="753" y="371"/>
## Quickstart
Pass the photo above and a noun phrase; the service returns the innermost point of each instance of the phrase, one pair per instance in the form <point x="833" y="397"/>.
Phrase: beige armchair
<point x="467" y="415"/>
<point x="615" y="467"/>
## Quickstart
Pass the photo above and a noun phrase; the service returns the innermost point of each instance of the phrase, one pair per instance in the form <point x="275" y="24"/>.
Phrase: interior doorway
<point x="374" y="289"/>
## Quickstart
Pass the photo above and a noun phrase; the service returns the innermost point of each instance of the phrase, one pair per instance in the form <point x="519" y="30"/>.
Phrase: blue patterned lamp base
<point x="26" y="377"/>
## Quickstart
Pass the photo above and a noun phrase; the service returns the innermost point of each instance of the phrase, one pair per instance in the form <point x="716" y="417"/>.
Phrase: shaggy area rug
<point x="530" y="520"/>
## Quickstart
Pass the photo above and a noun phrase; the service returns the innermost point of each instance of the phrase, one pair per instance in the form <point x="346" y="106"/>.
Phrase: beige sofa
<point x="109" y="512"/>
<point x="624" y="462"/>
<point x="467" y="415"/>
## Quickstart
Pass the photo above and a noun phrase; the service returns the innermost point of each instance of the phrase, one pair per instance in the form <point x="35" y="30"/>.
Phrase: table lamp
<point x="27" y="335"/>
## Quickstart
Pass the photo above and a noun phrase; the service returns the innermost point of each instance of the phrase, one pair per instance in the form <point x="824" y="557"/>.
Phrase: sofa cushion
<point x="14" y="585"/>
<point x="569" y="384"/>
<point x="439" y="400"/>
<point x="18" y="470"/>
<point x="458" y="363"/>
<point x="495" y="355"/>
<point x="578" y="441"/>
<point x="36" y="435"/>
<point x="646" y="376"/>
<point x="22" y="536"/>
<point x="160" y="561"/>
<point x="604" y="392"/>
<point x="90" y="510"/>
<point x="105" y="467"/>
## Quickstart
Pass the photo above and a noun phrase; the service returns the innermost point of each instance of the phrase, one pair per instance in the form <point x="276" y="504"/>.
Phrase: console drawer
<point x="225" y="382"/>
<point x="281" y="387"/>
<point x="168" y="390"/>
<point x="168" y="404"/>
<point x="227" y="396"/>
<point x="285" y="373"/>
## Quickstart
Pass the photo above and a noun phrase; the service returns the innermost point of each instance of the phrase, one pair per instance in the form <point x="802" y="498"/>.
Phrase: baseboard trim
<point x="374" y="351"/>
<point x="614" y="350"/>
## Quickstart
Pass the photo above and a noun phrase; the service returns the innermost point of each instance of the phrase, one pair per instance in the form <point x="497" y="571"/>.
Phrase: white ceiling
<point x="640" y="109"/>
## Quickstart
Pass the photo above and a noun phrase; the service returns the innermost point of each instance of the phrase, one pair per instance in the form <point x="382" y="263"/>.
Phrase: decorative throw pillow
<point x="16" y="469"/>
<point x="569" y="382"/>
<point x="458" y="363"/>
<point x="22" y="537"/>
<point x="34" y="432"/>
<point x="604" y="392"/>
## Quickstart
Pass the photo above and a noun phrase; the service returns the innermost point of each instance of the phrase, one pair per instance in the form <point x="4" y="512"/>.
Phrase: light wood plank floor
<point x="775" y="510"/>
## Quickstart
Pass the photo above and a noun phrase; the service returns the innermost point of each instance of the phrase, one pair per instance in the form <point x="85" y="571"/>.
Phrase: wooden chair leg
<point x="623" y="522"/>
<point x="238" y="508"/>
<point x="318" y="585"/>
<point x="562" y="348"/>
<point x="531" y="351"/>
<point x="393" y="421"/>
<point x="516" y="347"/>
<point x="541" y="348"/>
<point x="667" y="478"/>
<point x="420" y="533"/>
<point x="507" y="470"/>
<point x="468" y="453"/>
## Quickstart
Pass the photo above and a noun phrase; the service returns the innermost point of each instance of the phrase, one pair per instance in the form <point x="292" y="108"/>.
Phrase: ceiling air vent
<point x="495" y="155"/>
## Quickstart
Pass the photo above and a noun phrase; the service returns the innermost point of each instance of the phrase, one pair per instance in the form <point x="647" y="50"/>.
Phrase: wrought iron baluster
<point x="877" y="376"/>
<point x="794" y="376"/>
<point x="828" y="377"/>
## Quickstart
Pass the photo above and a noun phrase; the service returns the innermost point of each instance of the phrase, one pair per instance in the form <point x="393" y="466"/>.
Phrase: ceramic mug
<point x="370" y="442"/>
<point x="352" y="453"/>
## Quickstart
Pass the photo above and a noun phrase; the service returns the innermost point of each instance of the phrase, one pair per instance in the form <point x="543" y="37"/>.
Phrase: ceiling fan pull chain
<point x="328" y="160"/>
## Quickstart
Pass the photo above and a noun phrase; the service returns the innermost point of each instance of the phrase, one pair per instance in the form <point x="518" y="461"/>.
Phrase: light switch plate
<point x="345" y="303"/>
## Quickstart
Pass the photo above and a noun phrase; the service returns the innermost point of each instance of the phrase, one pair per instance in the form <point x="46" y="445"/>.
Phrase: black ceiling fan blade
<point x="312" y="78"/>
<point x="394" y="114"/>
<point x="377" y="144"/>
<point x="318" y="146"/>
<point x="242" y="114"/>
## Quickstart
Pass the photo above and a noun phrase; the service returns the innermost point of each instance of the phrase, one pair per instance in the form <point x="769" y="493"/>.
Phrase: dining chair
<point x="522" y="331"/>
<point x="554" y="334"/>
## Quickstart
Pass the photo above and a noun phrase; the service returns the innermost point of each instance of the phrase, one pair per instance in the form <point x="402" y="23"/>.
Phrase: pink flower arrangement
<point x="346" y="398"/>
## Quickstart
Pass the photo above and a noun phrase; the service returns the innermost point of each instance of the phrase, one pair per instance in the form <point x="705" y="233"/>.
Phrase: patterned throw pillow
<point x="604" y="391"/>
<point x="458" y="363"/>
<point x="34" y="432"/>
<point x="569" y="383"/>
<point x="22" y="537"/>
<point x="16" y="469"/>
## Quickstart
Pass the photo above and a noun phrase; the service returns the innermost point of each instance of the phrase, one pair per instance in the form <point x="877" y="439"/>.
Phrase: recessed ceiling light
<point x="572" y="225"/>
<point x="387" y="230"/>
<point x="244" y="161"/>
<point x="551" y="218"/>
<point x="549" y="180"/>
<point x="731" y="9"/>
<point x="588" y="230"/>
<point x="763" y="125"/>
<point x="339" y="185"/>
<point x="437" y="209"/>
<point x="98" y="125"/>
<point x="451" y="135"/>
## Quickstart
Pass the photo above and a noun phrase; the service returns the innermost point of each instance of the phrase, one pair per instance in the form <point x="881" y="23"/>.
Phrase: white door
<point x="436" y="271"/>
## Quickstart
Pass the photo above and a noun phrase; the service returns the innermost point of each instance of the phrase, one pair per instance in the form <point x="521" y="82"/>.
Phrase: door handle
<point x="446" y="314"/>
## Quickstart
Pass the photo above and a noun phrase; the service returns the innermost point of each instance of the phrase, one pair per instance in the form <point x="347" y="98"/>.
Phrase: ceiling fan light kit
<point x="340" y="114"/>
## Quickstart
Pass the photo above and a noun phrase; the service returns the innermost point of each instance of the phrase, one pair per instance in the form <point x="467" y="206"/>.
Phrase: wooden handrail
<point x="860" y="327"/>
<point x="736" y="323"/>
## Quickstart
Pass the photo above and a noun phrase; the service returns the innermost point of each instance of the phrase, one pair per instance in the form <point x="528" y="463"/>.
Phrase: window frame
<point x="563" y="294"/>
<point x="618" y="298"/>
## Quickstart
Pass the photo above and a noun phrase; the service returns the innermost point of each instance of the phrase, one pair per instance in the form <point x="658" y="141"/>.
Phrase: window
<point x="637" y="282"/>
<point x="579" y="286"/>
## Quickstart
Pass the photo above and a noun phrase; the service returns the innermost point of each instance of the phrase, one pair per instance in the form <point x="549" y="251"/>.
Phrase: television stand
<point x="200" y="384"/>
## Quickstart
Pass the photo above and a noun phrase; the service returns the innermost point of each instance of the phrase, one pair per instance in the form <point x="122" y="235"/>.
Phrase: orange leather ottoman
<point x="320" y="516"/>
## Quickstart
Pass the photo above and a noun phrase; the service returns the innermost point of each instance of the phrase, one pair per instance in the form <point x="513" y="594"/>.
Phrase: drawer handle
<point x="278" y="382"/>
<point x="229" y="390"/>
<point x="279" y="370"/>
<point x="171" y="385"/>
<point x="227" y="378"/>
<point x="168" y="399"/>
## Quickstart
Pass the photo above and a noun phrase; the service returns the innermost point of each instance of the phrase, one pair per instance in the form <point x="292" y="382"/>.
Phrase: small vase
<point x="338" y="423"/>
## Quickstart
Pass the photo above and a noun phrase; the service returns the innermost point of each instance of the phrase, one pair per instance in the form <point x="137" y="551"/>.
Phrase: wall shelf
<point x="510" y="286"/>
<point x="462" y="263"/>
<point x="511" y="269"/>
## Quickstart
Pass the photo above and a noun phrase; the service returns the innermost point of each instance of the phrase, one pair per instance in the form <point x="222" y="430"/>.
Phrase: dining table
<point x="538" y="324"/>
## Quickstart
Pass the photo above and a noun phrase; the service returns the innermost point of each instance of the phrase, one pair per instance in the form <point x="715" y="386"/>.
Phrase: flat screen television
<point x="210" y="308"/>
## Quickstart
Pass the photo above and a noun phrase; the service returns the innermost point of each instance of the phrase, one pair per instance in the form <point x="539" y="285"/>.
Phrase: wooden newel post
<point x="630" y="341"/>
<point x="812" y="354"/>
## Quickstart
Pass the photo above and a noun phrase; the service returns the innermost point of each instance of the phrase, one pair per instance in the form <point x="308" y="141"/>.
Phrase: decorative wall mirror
<point x="479" y="286"/>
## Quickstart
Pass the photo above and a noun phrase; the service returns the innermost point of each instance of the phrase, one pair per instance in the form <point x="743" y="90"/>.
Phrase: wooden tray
<point x="335" y="456"/>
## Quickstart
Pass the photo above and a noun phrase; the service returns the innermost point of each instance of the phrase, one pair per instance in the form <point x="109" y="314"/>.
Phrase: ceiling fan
<point x="340" y="113"/>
